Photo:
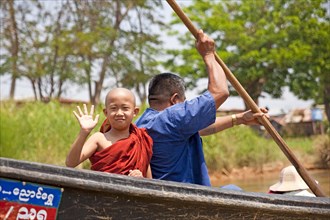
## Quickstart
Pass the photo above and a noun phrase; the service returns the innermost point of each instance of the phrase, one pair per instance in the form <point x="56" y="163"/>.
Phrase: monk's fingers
<point x="135" y="173"/>
<point x="85" y="109"/>
<point x="92" y="110"/>
<point x="79" y="110"/>
<point x="96" y="118"/>
<point x="76" y="114"/>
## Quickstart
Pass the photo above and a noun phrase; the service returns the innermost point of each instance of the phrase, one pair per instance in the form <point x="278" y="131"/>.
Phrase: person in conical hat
<point x="290" y="183"/>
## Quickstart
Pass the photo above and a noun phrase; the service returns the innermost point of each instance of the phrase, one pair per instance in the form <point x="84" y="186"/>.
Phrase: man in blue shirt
<point x="175" y="124"/>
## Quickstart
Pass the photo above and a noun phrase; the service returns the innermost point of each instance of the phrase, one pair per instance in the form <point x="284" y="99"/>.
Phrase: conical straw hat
<point x="290" y="180"/>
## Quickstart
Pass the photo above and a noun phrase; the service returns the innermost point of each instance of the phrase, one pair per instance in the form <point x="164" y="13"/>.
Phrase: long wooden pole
<point x="253" y="106"/>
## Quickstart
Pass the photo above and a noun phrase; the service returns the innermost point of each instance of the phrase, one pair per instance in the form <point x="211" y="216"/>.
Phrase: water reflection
<point x="261" y="183"/>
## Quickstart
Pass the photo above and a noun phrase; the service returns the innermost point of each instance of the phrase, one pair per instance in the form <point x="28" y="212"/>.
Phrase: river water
<point x="262" y="183"/>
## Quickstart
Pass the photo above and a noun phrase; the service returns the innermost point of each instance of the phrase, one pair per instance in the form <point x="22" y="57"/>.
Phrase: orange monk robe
<point x="126" y="154"/>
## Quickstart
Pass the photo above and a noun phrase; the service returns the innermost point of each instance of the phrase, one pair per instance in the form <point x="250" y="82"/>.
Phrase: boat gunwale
<point x="60" y="176"/>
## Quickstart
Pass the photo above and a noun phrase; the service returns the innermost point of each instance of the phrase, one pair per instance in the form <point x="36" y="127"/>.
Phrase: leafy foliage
<point x="37" y="131"/>
<point x="96" y="44"/>
<point x="266" y="44"/>
<point x="41" y="132"/>
<point x="245" y="148"/>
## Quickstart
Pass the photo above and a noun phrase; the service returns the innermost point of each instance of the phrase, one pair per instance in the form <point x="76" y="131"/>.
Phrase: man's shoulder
<point x="206" y="96"/>
<point x="147" y="116"/>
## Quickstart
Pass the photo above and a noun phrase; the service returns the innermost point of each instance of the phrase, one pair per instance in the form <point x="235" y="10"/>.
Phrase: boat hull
<point x="94" y="195"/>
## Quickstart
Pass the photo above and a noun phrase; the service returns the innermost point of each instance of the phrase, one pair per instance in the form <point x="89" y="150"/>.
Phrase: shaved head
<point x="120" y="92"/>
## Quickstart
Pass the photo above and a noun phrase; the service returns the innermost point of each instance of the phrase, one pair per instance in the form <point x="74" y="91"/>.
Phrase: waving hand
<point x="85" y="119"/>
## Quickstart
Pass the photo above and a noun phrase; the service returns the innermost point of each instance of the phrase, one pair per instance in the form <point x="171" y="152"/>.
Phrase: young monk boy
<point x="121" y="147"/>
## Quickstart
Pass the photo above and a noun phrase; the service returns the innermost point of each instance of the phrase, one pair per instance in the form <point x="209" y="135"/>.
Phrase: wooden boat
<point x="85" y="194"/>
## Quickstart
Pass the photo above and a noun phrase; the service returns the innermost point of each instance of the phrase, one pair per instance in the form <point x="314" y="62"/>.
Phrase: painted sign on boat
<point x="23" y="200"/>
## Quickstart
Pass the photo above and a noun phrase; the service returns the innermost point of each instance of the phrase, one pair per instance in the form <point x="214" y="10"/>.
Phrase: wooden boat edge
<point x="89" y="180"/>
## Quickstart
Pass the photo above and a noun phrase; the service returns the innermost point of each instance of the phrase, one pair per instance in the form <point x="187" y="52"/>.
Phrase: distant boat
<point x="29" y="190"/>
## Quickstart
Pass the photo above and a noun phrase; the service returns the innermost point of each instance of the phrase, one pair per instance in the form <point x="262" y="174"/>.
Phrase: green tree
<point x="143" y="48"/>
<point x="32" y="48"/>
<point x="46" y="65"/>
<point x="9" y="43"/>
<point x="107" y="34"/>
<point x="308" y="28"/>
<point x="256" y="40"/>
<point x="95" y="43"/>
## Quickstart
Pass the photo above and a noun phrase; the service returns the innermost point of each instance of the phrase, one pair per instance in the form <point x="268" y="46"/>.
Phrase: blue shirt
<point x="177" y="149"/>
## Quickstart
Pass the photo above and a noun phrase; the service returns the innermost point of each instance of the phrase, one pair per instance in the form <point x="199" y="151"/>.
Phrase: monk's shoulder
<point x="99" y="137"/>
<point x="98" y="134"/>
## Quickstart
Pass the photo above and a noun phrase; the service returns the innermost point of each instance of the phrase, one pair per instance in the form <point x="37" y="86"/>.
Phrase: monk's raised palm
<point x="85" y="119"/>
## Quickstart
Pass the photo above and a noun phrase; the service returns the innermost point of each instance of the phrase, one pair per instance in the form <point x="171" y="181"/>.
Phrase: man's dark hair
<point x="164" y="85"/>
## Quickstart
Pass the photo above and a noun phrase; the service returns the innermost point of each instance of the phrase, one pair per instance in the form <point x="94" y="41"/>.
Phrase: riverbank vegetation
<point x="43" y="133"/>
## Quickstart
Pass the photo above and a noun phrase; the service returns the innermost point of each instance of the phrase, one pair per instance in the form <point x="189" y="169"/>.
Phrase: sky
<point x="276" y="106"/>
